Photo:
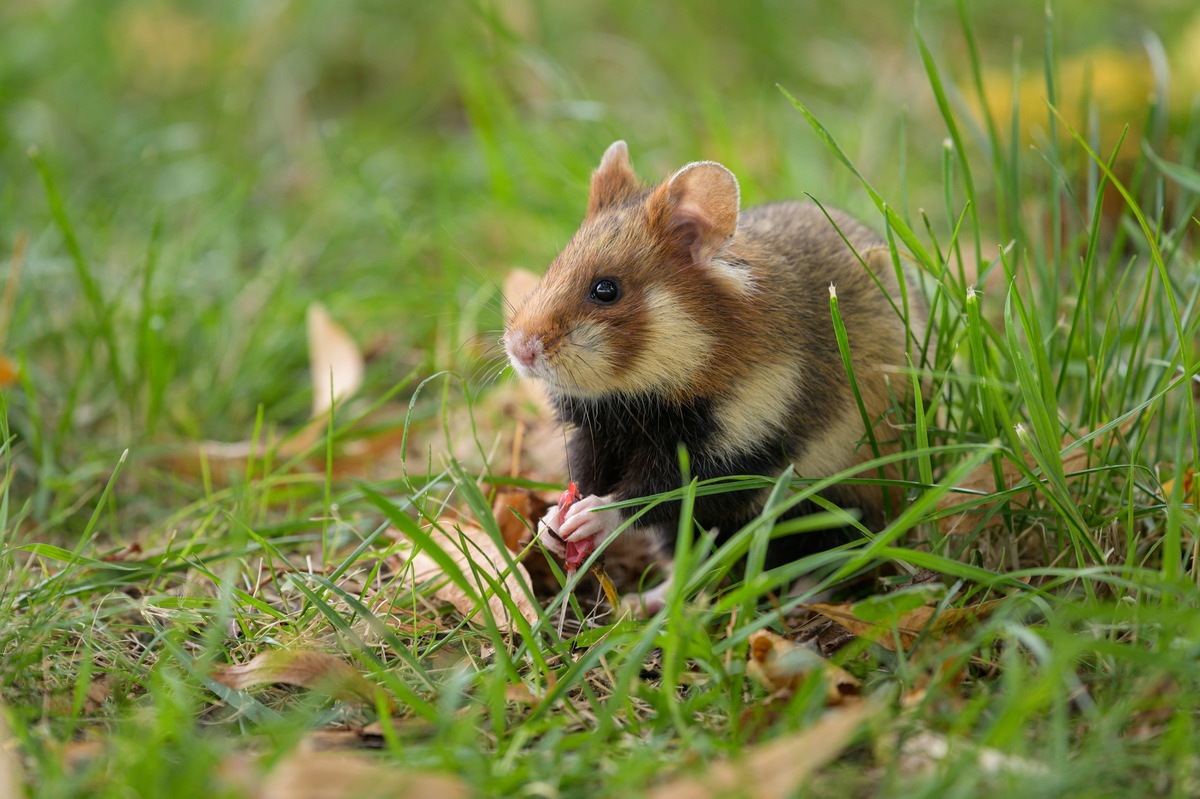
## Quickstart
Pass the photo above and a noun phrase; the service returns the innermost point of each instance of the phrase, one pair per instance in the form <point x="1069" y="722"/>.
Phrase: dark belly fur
<point x="629" y="449"/>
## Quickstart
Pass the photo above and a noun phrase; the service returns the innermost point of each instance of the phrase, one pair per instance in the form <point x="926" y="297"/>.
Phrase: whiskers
<point x="488" y="358"/>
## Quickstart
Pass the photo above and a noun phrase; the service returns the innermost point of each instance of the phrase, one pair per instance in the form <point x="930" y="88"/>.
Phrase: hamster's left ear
<point x="613" y="181"/>
<point x="702" y="201"/>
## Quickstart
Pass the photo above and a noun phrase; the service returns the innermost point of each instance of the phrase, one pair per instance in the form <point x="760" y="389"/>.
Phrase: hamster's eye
<point x="605" y="291"/>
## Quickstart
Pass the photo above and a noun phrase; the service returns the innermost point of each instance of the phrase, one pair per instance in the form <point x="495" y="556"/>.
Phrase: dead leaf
<point x="334" y="361"/>
<point x="130" y="553"/>
<point x="982" y="481"/>
<point x="782" y="665"/>
<point x="776" y="769"/>
<point x="924" y="620"/>
<point x="474" y="552"/>
<point x="513" y="507"/>
<point x="520" y="694"/>
<point x="8" y="371"/>
<point x="338" y="775"/>
<point x="518" y="284"/>
<point x="336" y="368"/>
<point x="1191" y="488"/>
<point x="12" y="776"/>
<point x="316" y="671"/>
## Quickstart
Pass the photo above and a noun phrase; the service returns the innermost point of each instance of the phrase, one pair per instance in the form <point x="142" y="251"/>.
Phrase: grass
<point x="181" y="182"/>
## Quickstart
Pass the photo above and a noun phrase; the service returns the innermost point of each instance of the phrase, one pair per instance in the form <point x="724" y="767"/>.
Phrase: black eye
<point x="605" y="291"/>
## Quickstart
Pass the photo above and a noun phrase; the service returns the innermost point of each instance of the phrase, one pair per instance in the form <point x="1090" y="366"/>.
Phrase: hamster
<point x="674" y="318"/>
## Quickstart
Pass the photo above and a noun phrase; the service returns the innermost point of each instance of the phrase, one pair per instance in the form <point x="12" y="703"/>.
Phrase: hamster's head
<point x="638" y="300"/>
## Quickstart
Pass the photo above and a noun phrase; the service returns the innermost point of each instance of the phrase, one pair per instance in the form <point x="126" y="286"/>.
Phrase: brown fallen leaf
<point x="782" y="665"/>
<point x="336" y="368"/>
<point x="518" y="284"/>
<point x="316" y="671"/>
<point x="475" y="554"/>
<point x="981" y="483"/>
<point x="512" y="508"/>
<point x="924" y="620"/>
<point x="12" y="776"/>
<point x="335" y="363"/>
<point x="334" y="738"/>
<point x="776" y="769"/>
<point x="1191" y="487"/>
<point x="8" y="371"/>
<point x="8" y="368"/>
<point x="338" y="775"/>
<point x="520" y="694"/>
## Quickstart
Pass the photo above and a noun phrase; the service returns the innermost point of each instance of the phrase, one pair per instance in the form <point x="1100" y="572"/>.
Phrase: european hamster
<point x="672" y="318"/>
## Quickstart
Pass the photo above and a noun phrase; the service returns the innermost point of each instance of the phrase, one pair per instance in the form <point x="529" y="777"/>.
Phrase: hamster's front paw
<point x="582" y="520"/>
<point x="548" y="529"/>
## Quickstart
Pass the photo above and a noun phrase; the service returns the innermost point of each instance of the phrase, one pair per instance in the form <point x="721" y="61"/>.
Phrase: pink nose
<point x="523" y="350"/>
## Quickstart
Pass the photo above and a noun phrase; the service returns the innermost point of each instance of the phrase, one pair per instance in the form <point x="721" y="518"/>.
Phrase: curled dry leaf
<point x="317" y="671"/>
<point x="475" y="554"/>
<point x="776" y="769"/>
<point x="783" y="666"/>
<point x="923" y="620"/>
<point x="338" y="775"/>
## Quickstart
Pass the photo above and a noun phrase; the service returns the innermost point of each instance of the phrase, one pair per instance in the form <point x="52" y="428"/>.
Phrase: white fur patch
<point x="759" y="407"/>
<point x="735" y="277"/>
<point x="675" y="350"/>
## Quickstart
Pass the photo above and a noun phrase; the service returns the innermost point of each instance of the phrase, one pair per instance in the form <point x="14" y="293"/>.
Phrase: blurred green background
<point x="223" y="164"/>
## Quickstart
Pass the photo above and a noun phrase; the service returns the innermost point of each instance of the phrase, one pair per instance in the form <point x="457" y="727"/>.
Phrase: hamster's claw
<point x="548" y="529"/>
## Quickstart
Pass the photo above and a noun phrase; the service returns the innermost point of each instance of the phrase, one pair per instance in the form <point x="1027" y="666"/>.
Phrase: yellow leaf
<point x="925" y="620"/>
<point x="783" y="665"/>
<point x="1191" y="488"/>
<point x="776" y="769"/>
<point x="338" y="775"/>
<point x="317" y="671"/>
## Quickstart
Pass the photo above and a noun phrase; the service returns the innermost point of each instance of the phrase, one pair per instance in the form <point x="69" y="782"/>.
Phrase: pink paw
<point x="647" y="603"/>
<point x="583" y="521"/>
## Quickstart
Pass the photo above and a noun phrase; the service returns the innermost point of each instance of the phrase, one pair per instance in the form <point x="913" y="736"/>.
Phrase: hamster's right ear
<point x="699" y="205"/>
<point x="613" y="181"/>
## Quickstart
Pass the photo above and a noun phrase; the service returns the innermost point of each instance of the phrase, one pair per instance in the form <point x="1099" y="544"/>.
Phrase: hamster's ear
<point x="703" y="200"/>
<point x="613" y="181"/>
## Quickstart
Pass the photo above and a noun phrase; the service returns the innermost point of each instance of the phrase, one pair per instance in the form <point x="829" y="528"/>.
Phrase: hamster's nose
<point x="523" y="350"/>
